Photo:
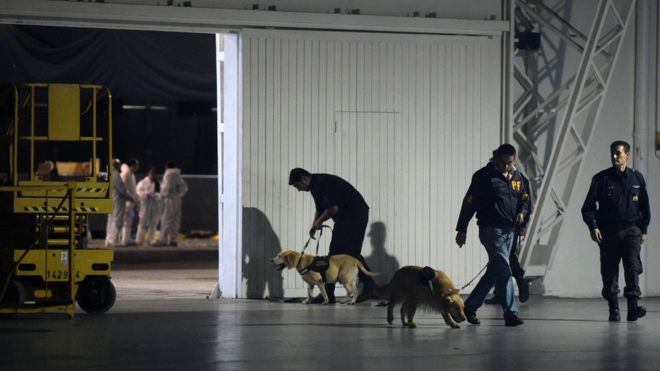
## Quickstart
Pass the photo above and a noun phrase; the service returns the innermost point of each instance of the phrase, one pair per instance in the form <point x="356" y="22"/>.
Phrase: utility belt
<point x="617" y="226"/>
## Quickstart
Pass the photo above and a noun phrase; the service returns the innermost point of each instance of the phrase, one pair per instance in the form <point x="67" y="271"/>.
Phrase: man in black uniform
<point x="617" y="213"/>
<point x="499" y="196"/>
<point x="337" y="199"/>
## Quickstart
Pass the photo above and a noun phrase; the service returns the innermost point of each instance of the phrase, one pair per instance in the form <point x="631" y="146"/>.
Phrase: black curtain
<point x="173" y="70"/>
<point x="136" y="65"/>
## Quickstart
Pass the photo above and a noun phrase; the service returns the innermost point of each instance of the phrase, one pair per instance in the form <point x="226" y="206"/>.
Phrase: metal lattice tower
<point x="554" y="115"/>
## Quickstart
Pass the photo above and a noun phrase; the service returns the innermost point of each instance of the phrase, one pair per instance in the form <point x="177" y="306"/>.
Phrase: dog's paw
<point x="306" y="301"/>
<point x="456" y="326"/>
<point x="390" y="321"/>
<point x="412" y="325"/>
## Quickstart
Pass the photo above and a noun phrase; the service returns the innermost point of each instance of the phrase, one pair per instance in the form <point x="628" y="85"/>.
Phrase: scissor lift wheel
<point x="96" y="295"/>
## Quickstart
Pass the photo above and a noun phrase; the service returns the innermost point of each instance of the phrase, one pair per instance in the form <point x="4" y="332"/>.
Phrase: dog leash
<point x="318" y="241"/>
<point x="518" y="238"/>
<point x="479" y="273"/>
<point x="475" y="277"/>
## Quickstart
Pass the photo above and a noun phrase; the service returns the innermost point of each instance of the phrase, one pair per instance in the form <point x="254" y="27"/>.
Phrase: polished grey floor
<point x="199" y="334"/>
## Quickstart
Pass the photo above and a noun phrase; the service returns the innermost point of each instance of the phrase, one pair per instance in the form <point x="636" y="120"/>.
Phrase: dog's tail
<point x="365" y="271"/>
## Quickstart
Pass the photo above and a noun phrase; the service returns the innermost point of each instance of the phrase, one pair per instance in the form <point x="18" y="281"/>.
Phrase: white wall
<point x="406" y="119"/>
<point x="465" y="9"/>
<point x="651" y="248"/>
<point x="574" y="272"/>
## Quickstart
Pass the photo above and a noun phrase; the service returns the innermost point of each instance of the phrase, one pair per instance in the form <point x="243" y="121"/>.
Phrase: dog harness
<point x="425" y="277"/>
<point x="319" y="265"/>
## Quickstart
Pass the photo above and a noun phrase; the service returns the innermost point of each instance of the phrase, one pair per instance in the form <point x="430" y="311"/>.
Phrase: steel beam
<point x="599" y="52"/>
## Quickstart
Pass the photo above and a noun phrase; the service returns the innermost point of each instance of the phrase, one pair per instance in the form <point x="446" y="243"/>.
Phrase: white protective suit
<point x="116" y="219"/>
<point x="172" y="190"/>
<point x="128" y="178"/>
<point x="149" y="210"/>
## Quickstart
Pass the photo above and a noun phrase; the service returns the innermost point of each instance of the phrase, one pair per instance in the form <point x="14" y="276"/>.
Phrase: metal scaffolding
<point x="552" y="149"/>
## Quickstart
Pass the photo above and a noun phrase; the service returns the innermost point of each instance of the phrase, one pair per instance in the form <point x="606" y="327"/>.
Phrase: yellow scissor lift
<point x="45" y="265"/>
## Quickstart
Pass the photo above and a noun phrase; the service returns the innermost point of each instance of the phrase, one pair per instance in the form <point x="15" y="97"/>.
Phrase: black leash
<point x="475" y="277"/>
<point x="318" y="241"/>
<point x="518" y="237"/>
<point x="319" y="264"/>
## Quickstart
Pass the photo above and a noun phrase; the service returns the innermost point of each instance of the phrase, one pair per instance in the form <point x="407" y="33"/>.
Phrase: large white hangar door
<point x="406" y="119"/>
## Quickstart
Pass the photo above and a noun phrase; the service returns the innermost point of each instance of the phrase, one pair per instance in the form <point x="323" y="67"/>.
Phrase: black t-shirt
<point x="330" y="190"/>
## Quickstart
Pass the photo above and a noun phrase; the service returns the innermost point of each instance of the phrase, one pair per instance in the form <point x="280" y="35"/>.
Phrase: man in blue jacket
<point x="499" y="195"/>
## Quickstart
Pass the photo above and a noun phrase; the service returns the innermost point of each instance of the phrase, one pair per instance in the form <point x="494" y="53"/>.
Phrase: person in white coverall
<point x="171" y="192"/>
<point x="128" y="176"/>
<point x="119" y="198"/>
<point x="148" y="193"/>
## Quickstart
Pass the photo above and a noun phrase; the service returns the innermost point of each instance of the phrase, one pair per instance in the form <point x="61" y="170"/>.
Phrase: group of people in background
<point x="153" y="202"/>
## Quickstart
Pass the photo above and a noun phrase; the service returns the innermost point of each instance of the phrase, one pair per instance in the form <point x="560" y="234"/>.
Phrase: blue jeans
<point x="498" y="243"/>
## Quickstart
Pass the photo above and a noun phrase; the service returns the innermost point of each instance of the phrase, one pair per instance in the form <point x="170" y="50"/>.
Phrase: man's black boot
<point x="472" y="318"/>
<point x="330" y="290"/>
<point x="318" y="299"/>
<point x="523" y="289"/>
<point x="635" y="311"/>
<point x="615" y="316"/>
<point x="512" y="320"/>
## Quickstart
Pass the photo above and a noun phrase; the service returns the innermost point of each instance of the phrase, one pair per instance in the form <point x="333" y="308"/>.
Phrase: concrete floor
<point x="162" y="321"/>
<point x="154" y="281"/>
<point x="199" y="334"/>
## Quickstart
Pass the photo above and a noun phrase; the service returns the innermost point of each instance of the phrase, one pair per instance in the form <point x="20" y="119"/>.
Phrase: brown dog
<point x="441" y="296"/>
<point x="342" y="267"/>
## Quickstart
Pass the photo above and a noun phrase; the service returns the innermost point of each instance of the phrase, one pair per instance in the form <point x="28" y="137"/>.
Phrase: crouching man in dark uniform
<point x="499" y="195"/>
<point x="337" y="199"/>
<point x="617" y="213"/>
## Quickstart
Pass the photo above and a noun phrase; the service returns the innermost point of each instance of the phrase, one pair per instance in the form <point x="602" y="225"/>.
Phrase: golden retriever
<point x="341" y="267"/>
<point x="438" y="294"/>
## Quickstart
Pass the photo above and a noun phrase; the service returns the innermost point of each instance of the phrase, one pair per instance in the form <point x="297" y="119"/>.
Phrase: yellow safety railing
<point x="69" y="188"/>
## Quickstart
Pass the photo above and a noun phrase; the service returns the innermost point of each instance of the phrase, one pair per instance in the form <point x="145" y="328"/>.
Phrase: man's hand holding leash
<point x="460" y="238"/>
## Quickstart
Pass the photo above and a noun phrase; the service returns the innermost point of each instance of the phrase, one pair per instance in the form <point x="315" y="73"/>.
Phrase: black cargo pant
<point x="347" y="238"/>
<point x="616" y="246"/>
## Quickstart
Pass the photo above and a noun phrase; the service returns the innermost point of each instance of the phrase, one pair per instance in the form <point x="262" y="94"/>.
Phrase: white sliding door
<point x="406" y="119"/>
